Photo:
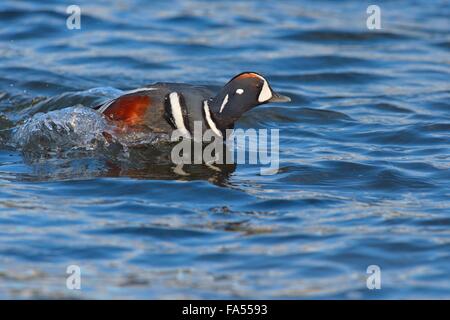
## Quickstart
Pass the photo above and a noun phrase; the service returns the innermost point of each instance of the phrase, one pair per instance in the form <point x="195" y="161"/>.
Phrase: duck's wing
<point x="140" y="107"/>
<point x="203" y="91"/>
<point x="149" y="106"/>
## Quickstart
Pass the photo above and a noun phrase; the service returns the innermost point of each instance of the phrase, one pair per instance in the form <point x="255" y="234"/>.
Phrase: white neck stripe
<point x="210" y="121"/>
<point x="177" y="113"/>
<point x="224" y="103"/>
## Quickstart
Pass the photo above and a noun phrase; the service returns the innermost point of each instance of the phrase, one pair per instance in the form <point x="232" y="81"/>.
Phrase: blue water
<point x="364" y="152"/>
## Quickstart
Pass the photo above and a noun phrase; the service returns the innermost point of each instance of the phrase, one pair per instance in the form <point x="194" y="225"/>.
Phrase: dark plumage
<point x="164" y="107"/>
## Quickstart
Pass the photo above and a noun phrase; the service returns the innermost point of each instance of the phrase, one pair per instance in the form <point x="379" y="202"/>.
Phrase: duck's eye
<point x="240" y="91"/>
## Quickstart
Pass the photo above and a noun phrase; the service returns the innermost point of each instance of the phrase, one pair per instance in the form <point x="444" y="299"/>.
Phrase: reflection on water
<point x="79" y="142"/>
<point x="364" y="152"/>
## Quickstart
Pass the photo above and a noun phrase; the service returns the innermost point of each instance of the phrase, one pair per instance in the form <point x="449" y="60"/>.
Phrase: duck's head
<point x="242" y="93"/>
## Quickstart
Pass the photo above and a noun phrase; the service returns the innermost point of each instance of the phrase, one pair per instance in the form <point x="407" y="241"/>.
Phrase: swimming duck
<point x="164" y="107"/>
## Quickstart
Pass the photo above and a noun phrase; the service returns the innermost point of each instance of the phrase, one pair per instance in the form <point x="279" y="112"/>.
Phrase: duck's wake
<point x="61" y="130"/>
<point x="76" y="129"/>
<point x="80" y="142"/>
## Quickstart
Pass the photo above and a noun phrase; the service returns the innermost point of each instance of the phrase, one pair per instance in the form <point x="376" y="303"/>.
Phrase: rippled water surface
<point x="364" y="152"/>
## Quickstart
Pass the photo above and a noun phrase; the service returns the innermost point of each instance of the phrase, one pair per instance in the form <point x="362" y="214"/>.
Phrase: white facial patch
<point x="177" y="113"/>
<point x="240" y="91"/>
<point x="224" y="103"/>
<point x="265" y="93"/>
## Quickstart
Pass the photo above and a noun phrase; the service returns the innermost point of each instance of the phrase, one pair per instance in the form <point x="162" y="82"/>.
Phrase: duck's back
<point x="157" y="106"/>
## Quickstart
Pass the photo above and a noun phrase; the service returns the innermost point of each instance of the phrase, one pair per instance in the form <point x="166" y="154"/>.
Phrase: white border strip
<point x="210" y="121"/>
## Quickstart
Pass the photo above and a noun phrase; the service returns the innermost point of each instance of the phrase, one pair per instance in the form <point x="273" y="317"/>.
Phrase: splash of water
<point x="77" y="129"/>
<point x="65" y="129"/>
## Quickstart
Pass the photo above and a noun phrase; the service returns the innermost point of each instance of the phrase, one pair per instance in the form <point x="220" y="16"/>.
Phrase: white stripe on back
<point x="177" y="113"/>
<point x="140" y="89"/>
<point x="107" y="104"/>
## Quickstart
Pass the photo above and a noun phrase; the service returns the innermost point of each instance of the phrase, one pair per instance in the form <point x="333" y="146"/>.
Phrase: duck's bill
<point x="276" y="97"/>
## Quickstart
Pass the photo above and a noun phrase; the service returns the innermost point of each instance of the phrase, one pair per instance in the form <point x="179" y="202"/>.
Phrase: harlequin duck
<point x="164" y="107"/>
